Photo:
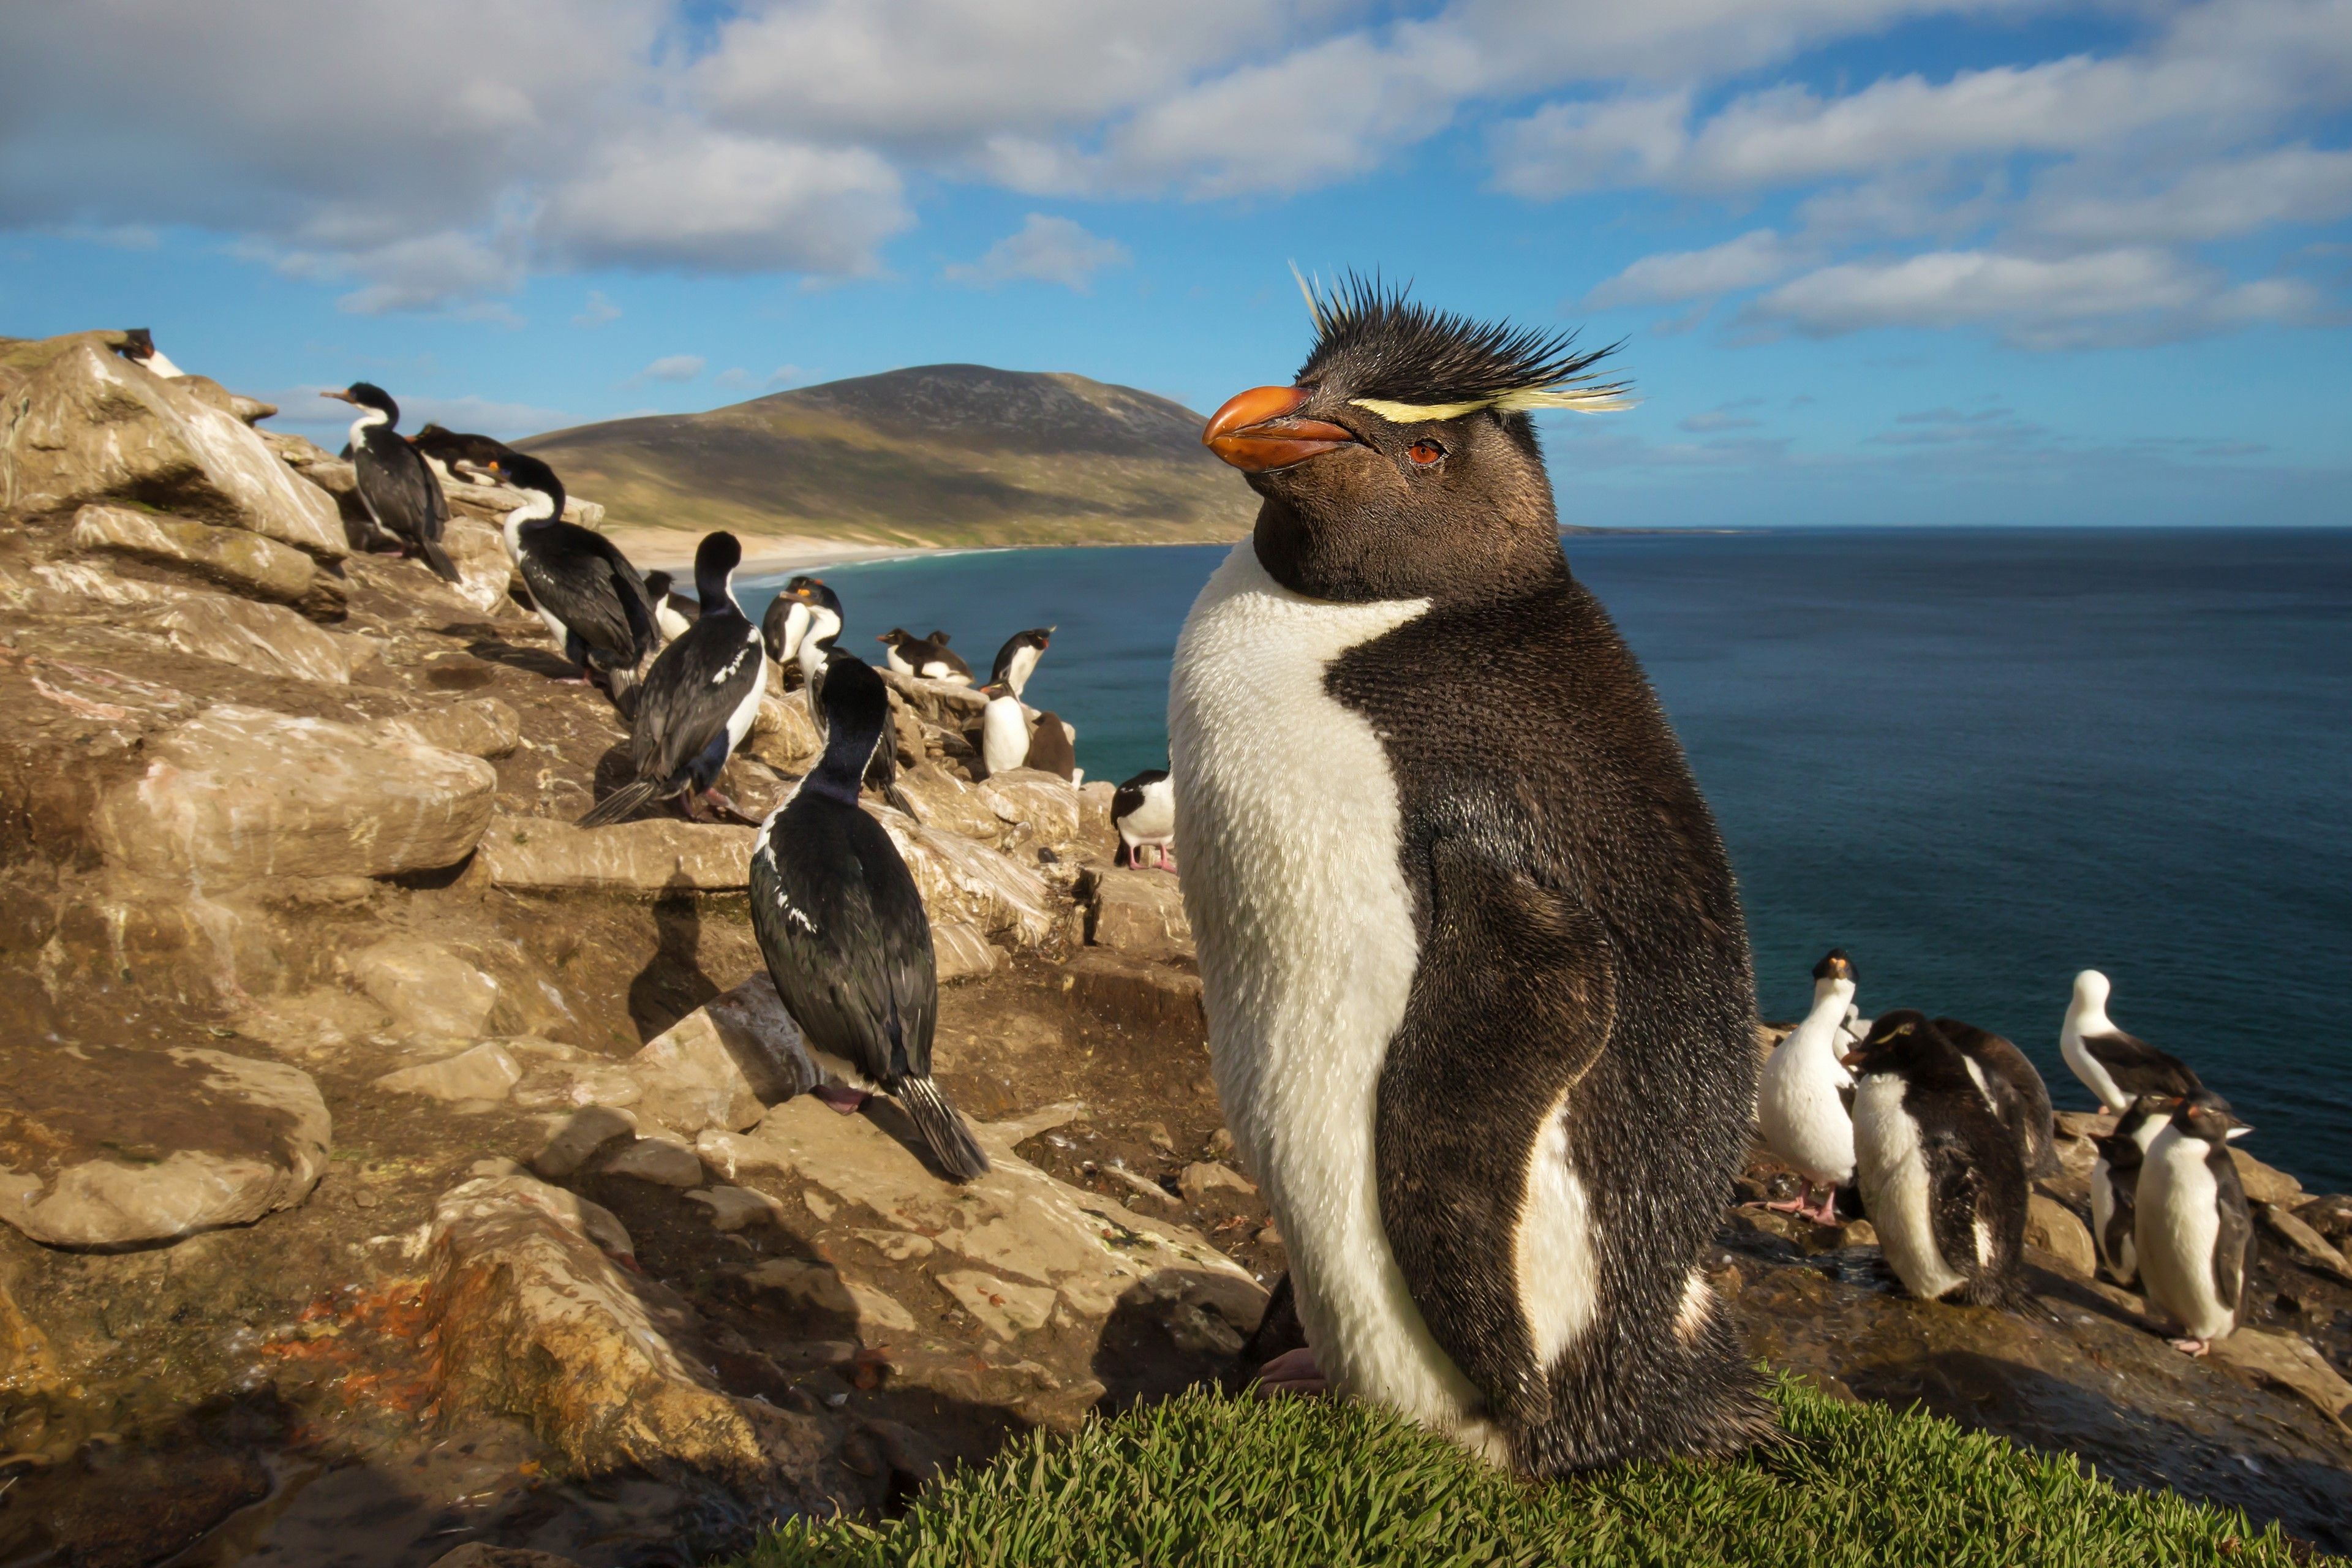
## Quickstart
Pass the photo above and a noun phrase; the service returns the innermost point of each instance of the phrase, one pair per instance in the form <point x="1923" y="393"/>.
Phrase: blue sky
<point x="1877" y="261"/>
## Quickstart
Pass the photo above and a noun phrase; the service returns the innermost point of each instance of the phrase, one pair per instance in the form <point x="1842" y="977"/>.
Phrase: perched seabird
<point x="2192" y="1229"/>
<point x="1003" y="730"/>
<point x="138" y="346"/>
<point x="586" y="591"/>
<point x="800" y="627"/>
<point x="1050" y="751"/>
<point x="698" y="700"/>
<point x="2013" y="1086"/>
<point x="401" y="495"/>
<point x="1017" y="659"/>
<point x="928" y="656"/>
<point x="1143" y="813"/>
<point x="2114" y="1182"/>
<point x="1479" y="1002"/>
<point x="673" y="611"/>
<point x="1803" y="1106"/>
<point x="446" y="449"/>
<point x="843" y="928"/>
<point x="1942" y="1180"/>
<point x="2116" y="1066"/>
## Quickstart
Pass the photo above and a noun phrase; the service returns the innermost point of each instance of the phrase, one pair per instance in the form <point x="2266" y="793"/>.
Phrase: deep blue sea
<point x="1979" y="760"/>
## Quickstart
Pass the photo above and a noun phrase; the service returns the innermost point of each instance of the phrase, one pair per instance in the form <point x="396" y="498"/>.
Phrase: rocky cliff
<point x="386" y="1164"/>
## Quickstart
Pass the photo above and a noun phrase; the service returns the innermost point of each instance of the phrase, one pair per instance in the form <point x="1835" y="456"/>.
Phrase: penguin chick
<point x="2192" y="1228"/>
<point x="2014" y="1089"/>
<point x="1050" y="751"/>
<point x="2114" y="1182"/>
<point x="843" y="933"/>
<point x="1942" y="1180"/>
<point x="1803" y="1106"/>
<point x="1479" y="1002"/>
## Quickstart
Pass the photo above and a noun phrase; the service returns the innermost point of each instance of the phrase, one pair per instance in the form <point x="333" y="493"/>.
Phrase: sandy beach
<point x="672" y="550"/>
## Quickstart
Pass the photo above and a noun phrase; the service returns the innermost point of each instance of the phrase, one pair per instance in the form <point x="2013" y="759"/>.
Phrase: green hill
<point x="937" y="455"/>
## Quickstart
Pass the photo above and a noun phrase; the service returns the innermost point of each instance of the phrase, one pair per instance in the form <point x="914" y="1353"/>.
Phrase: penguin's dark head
<point x="1836" y="965"/>
<point x="1401" y="463"/>
<point x="1895" y="1040"/>
<point x="138" y="344"/>
<point x="812" y="592"/>
<point x="521" y="471"/>
<point x="368" y="395"/>
<point x="898" y="637"/>
<point x="715" y="560"/>
<point x="657" y="585"/>
<point x="2206" y="1115"/>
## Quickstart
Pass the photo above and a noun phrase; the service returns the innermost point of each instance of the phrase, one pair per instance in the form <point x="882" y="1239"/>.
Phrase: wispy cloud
<point x="677" y="369"/>
<point x="597" y="312"/>
<point x="1045" y="250"/>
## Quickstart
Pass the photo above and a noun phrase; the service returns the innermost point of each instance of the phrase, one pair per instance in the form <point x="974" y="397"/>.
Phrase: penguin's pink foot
<point x="1802" y="1204"/>
<point x="1293" y="1372"/>
<point x="2192" y="1347"/>
<point x="1827" y="1212"/>
<point x="847" y="1101"/>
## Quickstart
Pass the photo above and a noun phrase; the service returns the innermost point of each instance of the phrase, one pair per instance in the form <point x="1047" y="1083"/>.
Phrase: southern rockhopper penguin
<point x="447" y="449"/>
<point x="2116" y="1066"/>
<point x="1804" y="1106"/>
<point x="801" y="626"/>
<point x="2013" y="1087"/>
<point x="402" y="497"/>
<point x="927" y="656"/>
<point x="2192" y="1229"/>
<point x="698" y="702"/>
<point x="138" y="346"/>
<point x="1942" y="1180"/>
<point x="1143" y="813"/>
<point x="591" y="599"/>
<point x="1479" y="1002"/>
<point x="843" y="931"/>
<point x="2114" y="1183"/>
<point x="1018" y="657"/>
<point x="672" y="612"/>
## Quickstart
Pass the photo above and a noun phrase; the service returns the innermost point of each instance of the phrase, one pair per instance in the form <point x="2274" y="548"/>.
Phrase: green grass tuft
<point x="1206" y="1480"/>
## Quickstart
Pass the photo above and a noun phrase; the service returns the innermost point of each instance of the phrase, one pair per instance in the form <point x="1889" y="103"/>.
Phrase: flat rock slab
<point x="963" y="880"/>
<point x="484" y="727"/>
<point x="1139" y="913"/>
<point x="429" y="991"/>
<point x="267" y="639"/>
<point x="721" y="1065"/>
<point x="1035" y="1268"/>
<point x="91" y="426"/>
<point x="239" y="793"/>
<point x="1045" y="804"/>
<point x="653" y="856"/>
<point x="105" y="1147"/>
<point x="248" y="562"/>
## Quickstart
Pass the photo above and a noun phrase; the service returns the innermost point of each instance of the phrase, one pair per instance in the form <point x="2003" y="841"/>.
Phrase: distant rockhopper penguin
<point x="674" y="612"/>
<point x="801" y="626"/>
<point x="2192" y="1227"/>
<point x="927" y="656"/>
<point x="1017" y="659"/>
<point x="1942" y="1179"/>
<point x="1480" y="1001"/>
<point x="2114" y="1183"/>
<point x="138" y="346"/>
<point x="1144" y="815"/>
<point x="402" y="497"/>
<point x="446" y="449"/>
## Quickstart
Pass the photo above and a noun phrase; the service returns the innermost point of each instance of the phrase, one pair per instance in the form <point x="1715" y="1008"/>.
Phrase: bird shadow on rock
<point x="673" y="982"/>
<point x="887" y="1114"/>
<point x="529" y="660"/>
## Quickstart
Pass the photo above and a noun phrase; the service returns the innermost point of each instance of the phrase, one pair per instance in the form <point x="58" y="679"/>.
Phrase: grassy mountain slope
<point x="941" y="455"/>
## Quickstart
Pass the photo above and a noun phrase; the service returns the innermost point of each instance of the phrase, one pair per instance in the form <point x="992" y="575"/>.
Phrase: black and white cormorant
<point x="843" y="931"/>
<point x="402" y="497"/>
<point x="586" y="591"/>
<point x="698" y="700"/>
<point x="1018" y="657"/>
<point x="673" y="611"/>
<point x="929" y="657"/>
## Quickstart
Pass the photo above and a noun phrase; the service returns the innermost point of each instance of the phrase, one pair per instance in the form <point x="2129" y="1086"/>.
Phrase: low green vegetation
<point x="1205" y="1481"/>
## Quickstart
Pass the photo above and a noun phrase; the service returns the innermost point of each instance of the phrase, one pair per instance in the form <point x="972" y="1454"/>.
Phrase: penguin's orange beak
<point x="1257" y="430"/>
<point x="1850" y="1060"/>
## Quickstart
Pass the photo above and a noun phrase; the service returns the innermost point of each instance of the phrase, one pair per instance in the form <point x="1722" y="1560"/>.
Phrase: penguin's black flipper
<point x="1511" y="1003"/>
<point x="2233" y="1243"/>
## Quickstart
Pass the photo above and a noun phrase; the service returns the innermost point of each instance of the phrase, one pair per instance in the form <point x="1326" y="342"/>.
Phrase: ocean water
<point x="1979" y="760"/>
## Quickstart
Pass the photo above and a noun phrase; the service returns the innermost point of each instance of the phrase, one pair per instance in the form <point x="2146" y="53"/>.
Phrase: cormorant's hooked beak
<point x="340" y="396"/>
<point x="1257" y="430"/>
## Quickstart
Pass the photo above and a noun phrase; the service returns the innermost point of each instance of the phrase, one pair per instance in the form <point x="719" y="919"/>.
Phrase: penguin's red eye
<point x="1425" y="454"/>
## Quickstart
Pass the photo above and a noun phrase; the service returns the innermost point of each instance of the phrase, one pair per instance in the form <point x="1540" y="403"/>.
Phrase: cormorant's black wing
<point x="2139" y="1068"/>
<point x="1513" y="1000"/>
<point x="845" y="938"/>
<point x="582" y="576"/>
<point x="399" y="492"/>
<point x="689" y="695"/>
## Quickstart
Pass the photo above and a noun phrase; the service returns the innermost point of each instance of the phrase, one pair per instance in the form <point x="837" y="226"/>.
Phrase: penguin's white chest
<point x="1799" y="1107"/>
<point x="2178" y="1223"/>
<point x="1290" y="819"/>
<point x="1897" y="1189"/>
<point x="1003" y="735"/>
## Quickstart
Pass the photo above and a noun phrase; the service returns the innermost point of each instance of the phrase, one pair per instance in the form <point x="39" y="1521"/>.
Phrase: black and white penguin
<point x="1942" y="1180"/>
<point x="1003" y="730"/>
<point x="1017" y="659"/>
<point x="2192" y="1225"/>
<point x="2114" y="1182"/>
<point x="2013" y="1087"/>
<point x="2116" y="1066"/>
<point x="843" y="931"/>
<point x="398" y="487"/>
<point x="929" y="657"/>
<point x="698" y="702"/>
<point x="1479" y="1002"/>
<point x="138" y="346"/>
<point x="1143" y="813"/>
<point x="445" y="449"/>
<point x="674" y="612"/>
<point x="591" y="600"/>
<point x="1803" y="1106"/>
<point x="801" y="626"/>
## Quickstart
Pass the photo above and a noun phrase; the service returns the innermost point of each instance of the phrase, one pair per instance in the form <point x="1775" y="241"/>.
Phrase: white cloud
<point x="673" y="368"/>
<point x="1046" y="250"/>
<point x="2212" y="201"/>
<point x="1755" y="257"/>
<point x="597" y="312"/>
